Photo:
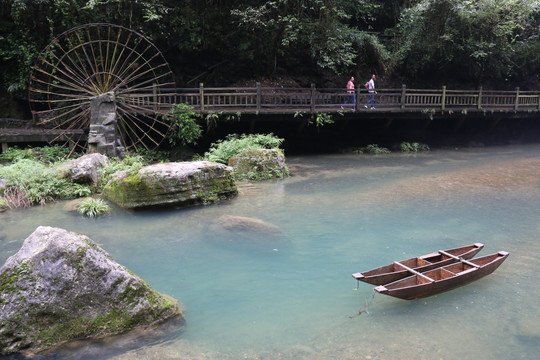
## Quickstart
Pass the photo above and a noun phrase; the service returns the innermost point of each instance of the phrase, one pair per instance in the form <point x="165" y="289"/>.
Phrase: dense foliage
<point x="31" y="179"/>
<point x="184" y="126"/>
<point x="38" y="183"/>
<point x="489" y="42"/>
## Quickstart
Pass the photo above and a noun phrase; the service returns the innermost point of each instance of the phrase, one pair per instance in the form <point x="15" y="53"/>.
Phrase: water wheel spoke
<point x="143" y="129"/>
<point x="54" y="77"/>
<point x="134" y="109"/>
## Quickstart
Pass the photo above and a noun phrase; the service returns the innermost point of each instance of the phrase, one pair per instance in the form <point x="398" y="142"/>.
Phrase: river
<point x="290" y="294"/>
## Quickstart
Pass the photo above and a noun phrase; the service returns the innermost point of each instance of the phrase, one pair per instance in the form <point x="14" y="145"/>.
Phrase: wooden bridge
<point x="258" y="101"/>
<point x="277" y="100"/>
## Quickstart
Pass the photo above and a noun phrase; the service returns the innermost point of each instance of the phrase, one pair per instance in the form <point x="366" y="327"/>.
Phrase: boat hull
<point x="390" y="273"/>
<point x="444" y="278"/>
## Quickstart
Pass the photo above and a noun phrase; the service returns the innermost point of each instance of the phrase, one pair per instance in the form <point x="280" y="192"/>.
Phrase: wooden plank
<point x="414" y="271"/>
<point x="458" y="258"/>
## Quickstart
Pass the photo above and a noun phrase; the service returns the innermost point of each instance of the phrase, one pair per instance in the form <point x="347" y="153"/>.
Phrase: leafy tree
<point x="315" y="30"/>
<point x="473" y="41"/>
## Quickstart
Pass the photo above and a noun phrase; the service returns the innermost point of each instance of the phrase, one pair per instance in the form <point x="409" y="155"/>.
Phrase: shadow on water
<point x="268" y="274"/>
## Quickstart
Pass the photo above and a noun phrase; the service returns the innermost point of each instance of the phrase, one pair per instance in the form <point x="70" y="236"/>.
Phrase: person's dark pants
<point x="351" y="100"/>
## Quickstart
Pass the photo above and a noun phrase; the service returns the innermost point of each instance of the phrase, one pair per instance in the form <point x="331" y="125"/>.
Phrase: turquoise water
<point x="290" y="294"/>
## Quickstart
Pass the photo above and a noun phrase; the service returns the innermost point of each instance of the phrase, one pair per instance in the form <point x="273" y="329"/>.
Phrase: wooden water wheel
<point x="94" y="59"/>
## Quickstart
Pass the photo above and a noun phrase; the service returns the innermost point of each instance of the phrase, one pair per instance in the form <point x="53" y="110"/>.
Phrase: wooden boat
<point x="393" y="272"/>
<point x="443" y="278"/>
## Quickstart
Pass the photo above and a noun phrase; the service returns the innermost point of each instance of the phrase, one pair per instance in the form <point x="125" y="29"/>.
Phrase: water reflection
<point x="257" y="295"/>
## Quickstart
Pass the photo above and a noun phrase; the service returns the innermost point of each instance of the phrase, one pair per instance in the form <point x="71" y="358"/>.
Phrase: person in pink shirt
<point x="351" y="94"/>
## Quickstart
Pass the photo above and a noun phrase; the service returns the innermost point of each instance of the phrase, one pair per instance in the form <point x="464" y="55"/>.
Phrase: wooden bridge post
<point x="480" y="90"/>
<point x="312" y="104"/>
<point x="259" y="97"/>
<point x="201" y="94"/>
<point x="358" y="89"/>
<point x="156" y="99"/>
<point x="443" y="98"/>
<point x="403" y="88"/>
<point x="516" y="103"/>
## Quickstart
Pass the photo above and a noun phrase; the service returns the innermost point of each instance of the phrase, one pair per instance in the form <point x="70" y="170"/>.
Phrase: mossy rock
<point x="62" y="286"/>
<point x="176" y="184"/>
<point x="259" y="164"/>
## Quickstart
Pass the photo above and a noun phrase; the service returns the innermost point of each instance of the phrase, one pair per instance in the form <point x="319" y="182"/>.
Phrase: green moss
<point x="120" y="191"/>
<point x="9" y="278"/>
<point x="57" y="329"/>
<point x="83" y="327"/>
<point x="216" y="189"/>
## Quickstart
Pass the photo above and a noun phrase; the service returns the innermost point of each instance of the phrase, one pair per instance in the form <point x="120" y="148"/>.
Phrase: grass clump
<point x="222" y="150"/>
<point x="93" y="207"/>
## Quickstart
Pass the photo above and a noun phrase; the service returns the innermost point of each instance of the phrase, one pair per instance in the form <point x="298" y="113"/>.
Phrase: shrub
<point x="184" y="127"/>
<point x="375" y="149"/>
<point x="323" y="119"/>
<point x="45" y="154"/>
<point x="93" y="207"/>
<point x="234" y="144"/>
<point x="413" y="147"/>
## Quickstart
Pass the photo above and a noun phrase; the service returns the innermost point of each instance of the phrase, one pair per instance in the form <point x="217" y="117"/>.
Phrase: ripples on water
<point x="291" y="295"/>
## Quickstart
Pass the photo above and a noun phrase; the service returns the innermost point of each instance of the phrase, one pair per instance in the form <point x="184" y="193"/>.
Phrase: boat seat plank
<point x="460" y="259"/>
<point x="414" y="271"/>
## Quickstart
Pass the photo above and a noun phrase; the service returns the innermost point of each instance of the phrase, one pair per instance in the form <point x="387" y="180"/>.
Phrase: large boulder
<point x="177" y="184"/>
<point x="61" y="286"/>
<point x="259" y="164"/>
<point x="84" y="170"/>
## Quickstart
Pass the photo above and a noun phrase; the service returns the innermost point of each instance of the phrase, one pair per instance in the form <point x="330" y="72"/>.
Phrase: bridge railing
<point x="291" y="100"/>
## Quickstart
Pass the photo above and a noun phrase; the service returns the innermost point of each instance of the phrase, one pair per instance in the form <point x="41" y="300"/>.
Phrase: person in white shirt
<point x="372" y="92"/>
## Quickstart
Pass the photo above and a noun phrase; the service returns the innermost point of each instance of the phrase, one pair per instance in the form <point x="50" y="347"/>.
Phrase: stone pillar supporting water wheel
<point x="103" y="135"/>
<point x="93" y="77"/>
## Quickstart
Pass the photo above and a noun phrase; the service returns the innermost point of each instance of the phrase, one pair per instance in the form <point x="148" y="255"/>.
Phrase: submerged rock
<point x="61" y="286"/>
<point x="177" y="184"/>
<point x="259" y="164"/>
<point x="240" y="223"/>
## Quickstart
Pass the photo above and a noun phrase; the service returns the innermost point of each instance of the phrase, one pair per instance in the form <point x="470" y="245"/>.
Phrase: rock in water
<point x="240" y="223"/>
<point x="176" y="184"/>
<point x="62" y="286"/>
<point x="259" y="164"/>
